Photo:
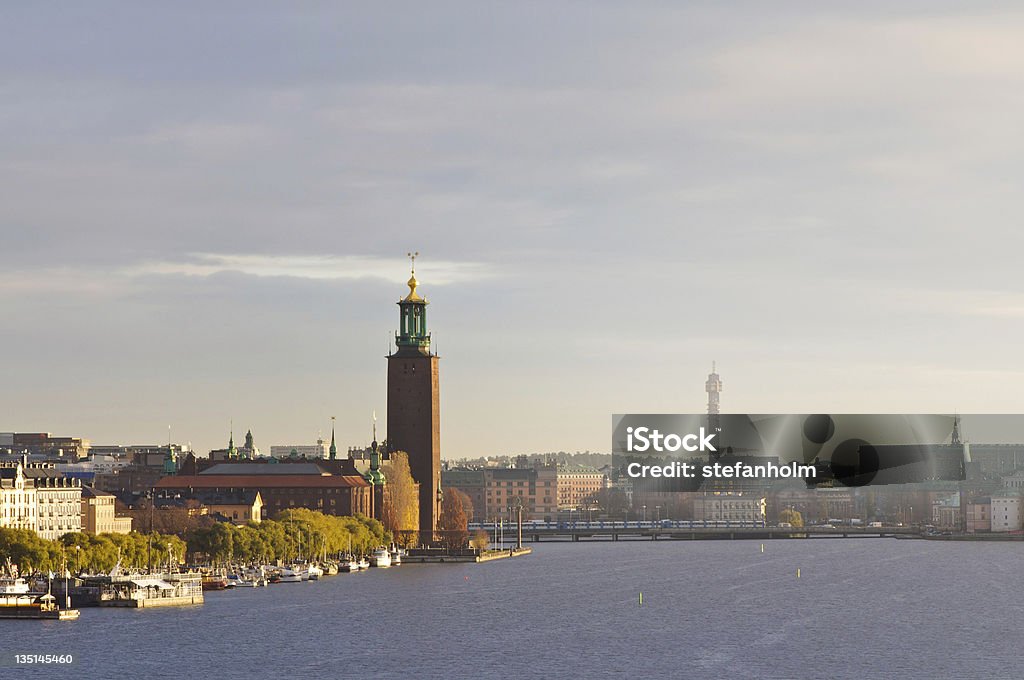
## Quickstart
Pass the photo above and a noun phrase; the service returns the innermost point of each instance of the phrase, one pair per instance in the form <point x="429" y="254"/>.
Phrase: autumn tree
<point x="481" y="539"/>
<point x="401" y="500"/>
<point x="791" y="516"/>
<point x="452" y="524"/>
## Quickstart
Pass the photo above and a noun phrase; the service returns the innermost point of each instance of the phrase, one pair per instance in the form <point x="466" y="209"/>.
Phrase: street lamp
<point x="658" y="508"/>
<point x="645" y="513"/>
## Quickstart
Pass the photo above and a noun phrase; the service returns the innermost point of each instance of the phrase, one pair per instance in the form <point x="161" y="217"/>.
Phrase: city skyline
<point x="199" y="230"/>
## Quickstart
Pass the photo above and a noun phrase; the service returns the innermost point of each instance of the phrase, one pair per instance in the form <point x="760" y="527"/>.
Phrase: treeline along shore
<point x="293" y="534"/>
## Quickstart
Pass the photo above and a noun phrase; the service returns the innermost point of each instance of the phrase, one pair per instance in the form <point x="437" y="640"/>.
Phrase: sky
<point x="205" y="211"/>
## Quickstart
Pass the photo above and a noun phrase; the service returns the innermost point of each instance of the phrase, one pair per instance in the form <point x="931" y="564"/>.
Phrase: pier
<point x="427" y="556"/>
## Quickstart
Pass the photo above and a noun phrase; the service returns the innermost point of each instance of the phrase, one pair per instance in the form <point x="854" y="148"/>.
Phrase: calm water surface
<point x="865" y="608"/>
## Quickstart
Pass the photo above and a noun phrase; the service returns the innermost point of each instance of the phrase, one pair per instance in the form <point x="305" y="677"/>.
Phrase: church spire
<point x="232" y="451"/>
<point x="333" y="452"/>
<point x="375" y="476"/>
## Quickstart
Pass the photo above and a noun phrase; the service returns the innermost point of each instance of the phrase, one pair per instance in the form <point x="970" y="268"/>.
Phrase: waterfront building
<point x="414" y="404"/>
<point x="493" y="490"/>
<point x="17" y="498"/>
<point x="98" y="515"/>
<point x="281" y="486"/>
<point x="978" y="515"/>
<point x="1006" y="511"/>
<point x="58" y="502"/>
<point x="577" y="485"/>
<point x="732" y="507"/>
<point x="946" y="512"/>
<point x="470" y="482"/>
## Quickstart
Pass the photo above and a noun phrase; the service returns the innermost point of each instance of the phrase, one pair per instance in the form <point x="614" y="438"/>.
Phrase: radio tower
<point x="713" y="387"/>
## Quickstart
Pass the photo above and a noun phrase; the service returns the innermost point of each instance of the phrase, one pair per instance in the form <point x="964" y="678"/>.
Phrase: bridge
<point x="674" y="531"/>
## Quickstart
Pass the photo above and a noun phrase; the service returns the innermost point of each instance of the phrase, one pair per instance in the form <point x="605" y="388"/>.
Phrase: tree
<point x="792" y="516"/>
<point x="612" y="502"/>
<point x="401" y="500"/>
<point x="452" y="523"/>
<point x="481" y="539"/>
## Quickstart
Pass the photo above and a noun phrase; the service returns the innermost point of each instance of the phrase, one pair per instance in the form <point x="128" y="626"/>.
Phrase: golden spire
<point x="413" y="296"/>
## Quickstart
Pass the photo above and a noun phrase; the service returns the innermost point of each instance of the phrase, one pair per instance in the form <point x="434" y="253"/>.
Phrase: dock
<point x="435" y="556"/>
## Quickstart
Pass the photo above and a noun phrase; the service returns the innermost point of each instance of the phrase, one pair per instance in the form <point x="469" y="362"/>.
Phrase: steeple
<point x="375" y="476"/>
<point x="170" y="462"/>
<point x="249" y="445"/>
<point x="412" y="337"/>
<point x="232" y="451"/>
<point x="956" y="430"/>
<point x="333" y="453"/>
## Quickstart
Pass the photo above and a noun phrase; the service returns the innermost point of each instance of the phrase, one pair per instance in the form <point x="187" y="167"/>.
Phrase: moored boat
<point x="381" y="557"/>
<point x="34" y="606"/>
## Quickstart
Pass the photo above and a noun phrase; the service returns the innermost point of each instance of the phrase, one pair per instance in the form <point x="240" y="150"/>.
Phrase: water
<point x="864" y="608"/>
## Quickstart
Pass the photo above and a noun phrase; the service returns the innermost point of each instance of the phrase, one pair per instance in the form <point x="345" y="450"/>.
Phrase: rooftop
<point x="264" y="481"/>
<point x="264" y="469"/>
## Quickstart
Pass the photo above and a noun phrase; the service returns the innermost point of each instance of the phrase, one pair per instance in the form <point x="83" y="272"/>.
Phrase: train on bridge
<point x="638" y="524"/>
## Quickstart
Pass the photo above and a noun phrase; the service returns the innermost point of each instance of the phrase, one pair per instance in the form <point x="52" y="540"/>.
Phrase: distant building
<point x="43" y="445"/>
<point x="494" y="490"/>
<point x="281" y="486"/>
<point x="247" y="451"/>
<point x="946" y="512"/>
<point x="129" y="483"/>
<point x="106" y="457"/>
<point x="730" y="507"/>
<point x="318" y="450"/>
<point x="1014" y="480"/>
<point x="1006" y="511"/>
<point x="471" y="483"/>
<point x="577" y="484"/>
<point x="979" y="515"/>
<point x="235" y="507"/>
<point x="98" y="515"/>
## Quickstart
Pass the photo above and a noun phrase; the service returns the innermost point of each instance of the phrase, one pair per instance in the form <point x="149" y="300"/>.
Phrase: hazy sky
<point x="204" y="213"/>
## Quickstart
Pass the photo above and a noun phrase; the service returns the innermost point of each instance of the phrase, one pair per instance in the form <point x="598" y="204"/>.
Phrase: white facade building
<point x="17" y="499"/>
<point x="1006" y="512"/>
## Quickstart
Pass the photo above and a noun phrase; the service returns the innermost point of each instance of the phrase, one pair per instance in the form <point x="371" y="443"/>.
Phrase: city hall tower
<point x="414" y="410"/>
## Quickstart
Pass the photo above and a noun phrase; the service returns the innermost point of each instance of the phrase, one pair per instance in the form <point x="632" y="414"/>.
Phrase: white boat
<point x="13" y="586"/>
<point x="396" y="556"/>
<point x="381" y="557"/>
<point x="314" y="572"/>
<point x="364" y="563"/>
<point x="293" y="574"/>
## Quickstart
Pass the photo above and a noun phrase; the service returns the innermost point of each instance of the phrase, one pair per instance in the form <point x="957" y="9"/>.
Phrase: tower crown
<point x="412" y="336"/>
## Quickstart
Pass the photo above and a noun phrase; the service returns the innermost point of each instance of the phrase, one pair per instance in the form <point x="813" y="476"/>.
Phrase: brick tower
<point x="414" y="407"/>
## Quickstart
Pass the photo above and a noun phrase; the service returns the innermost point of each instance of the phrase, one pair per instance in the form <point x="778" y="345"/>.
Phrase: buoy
<point x="762" y="547"/>
<point x="798" y="572"/>
<point x="641" y="598"/>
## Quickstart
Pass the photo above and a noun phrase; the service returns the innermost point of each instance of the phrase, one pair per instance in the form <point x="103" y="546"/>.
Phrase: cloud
<point x="316" y="267"/>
